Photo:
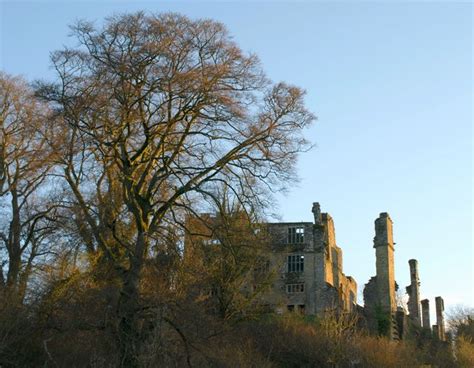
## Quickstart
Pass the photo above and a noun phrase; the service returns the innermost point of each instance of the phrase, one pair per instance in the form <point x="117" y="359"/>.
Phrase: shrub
<point x="465" y="352"/>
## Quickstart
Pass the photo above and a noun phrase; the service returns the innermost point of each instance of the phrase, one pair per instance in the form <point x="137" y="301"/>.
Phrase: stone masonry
<point x="439" y="329"/>
<point x="319" y="284"/>
<point x="309" y="266"/>
<point x="413" y="291"/>
<point x="384" y="248"/>
<point x="380" y="305"/>
<point x="425" y="310"/>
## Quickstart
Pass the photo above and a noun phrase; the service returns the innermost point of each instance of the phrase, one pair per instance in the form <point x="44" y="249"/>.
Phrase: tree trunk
<point x="129" y="333"/>
<point x="14" y="246"/>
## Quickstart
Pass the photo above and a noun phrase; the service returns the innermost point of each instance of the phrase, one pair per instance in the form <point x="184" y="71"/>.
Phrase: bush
<point x="465" y="352"/>
<point x="290" y="341"/>
<point x="379" y="352"/>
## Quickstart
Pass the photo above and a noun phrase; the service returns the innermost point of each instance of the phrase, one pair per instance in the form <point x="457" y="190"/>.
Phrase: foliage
<point x="383" y="321"/>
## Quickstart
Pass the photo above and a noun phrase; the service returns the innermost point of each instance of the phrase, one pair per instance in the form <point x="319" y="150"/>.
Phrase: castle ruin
<point x="310" y="278"/>
<point x="310" y="268"/>
<point x="323" y="285"/>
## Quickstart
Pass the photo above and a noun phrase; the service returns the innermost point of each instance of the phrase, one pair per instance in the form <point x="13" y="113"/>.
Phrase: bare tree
<point x="157" y="110"/>
<point x="460" y="320"/>
<point x="24" y="165"/>
<point x="228" y="252"/>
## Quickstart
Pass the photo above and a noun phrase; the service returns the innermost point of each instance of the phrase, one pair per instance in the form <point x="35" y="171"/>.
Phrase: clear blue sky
<point x="391" y="84"/>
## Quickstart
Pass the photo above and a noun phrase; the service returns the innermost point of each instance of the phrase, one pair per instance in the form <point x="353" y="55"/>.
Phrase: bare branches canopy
<point x="155" y="113"/>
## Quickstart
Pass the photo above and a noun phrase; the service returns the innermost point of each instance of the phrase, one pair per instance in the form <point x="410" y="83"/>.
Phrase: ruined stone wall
<point x="325" y="286"/>
<point x="329" y="253"/>
<point x="282" y="248"/>
<point x="371" y="305"/>
<point x="336" y="265"/>
<point x="348" y="289"/>
<point x="333" y="288"/>
<point x="403" y="327"/>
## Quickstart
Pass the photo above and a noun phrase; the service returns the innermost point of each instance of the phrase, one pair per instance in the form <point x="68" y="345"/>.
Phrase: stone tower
<point x="384" y="248"/>
<point x="413" y="291"/>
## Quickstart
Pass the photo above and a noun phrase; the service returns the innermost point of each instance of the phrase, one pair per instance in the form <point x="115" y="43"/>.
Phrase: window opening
<point x="296" y="235"/>
<point x="296" y="263"/>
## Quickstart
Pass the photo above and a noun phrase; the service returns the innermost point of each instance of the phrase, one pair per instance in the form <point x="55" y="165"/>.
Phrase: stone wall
<point x="325" y="284"/>
<point x="282" y="248"/>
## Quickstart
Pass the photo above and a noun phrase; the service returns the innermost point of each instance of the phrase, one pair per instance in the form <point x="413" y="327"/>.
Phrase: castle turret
<point x="413" y="291"/>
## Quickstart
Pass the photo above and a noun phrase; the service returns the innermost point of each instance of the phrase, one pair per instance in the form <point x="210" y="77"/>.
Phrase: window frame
<point x="295" y="263"/>
<point x="296" y="235"/>
<point x="296" y="288"/>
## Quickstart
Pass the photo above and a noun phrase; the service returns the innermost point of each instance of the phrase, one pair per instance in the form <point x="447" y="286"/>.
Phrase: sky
<point x="391" y="84"/>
